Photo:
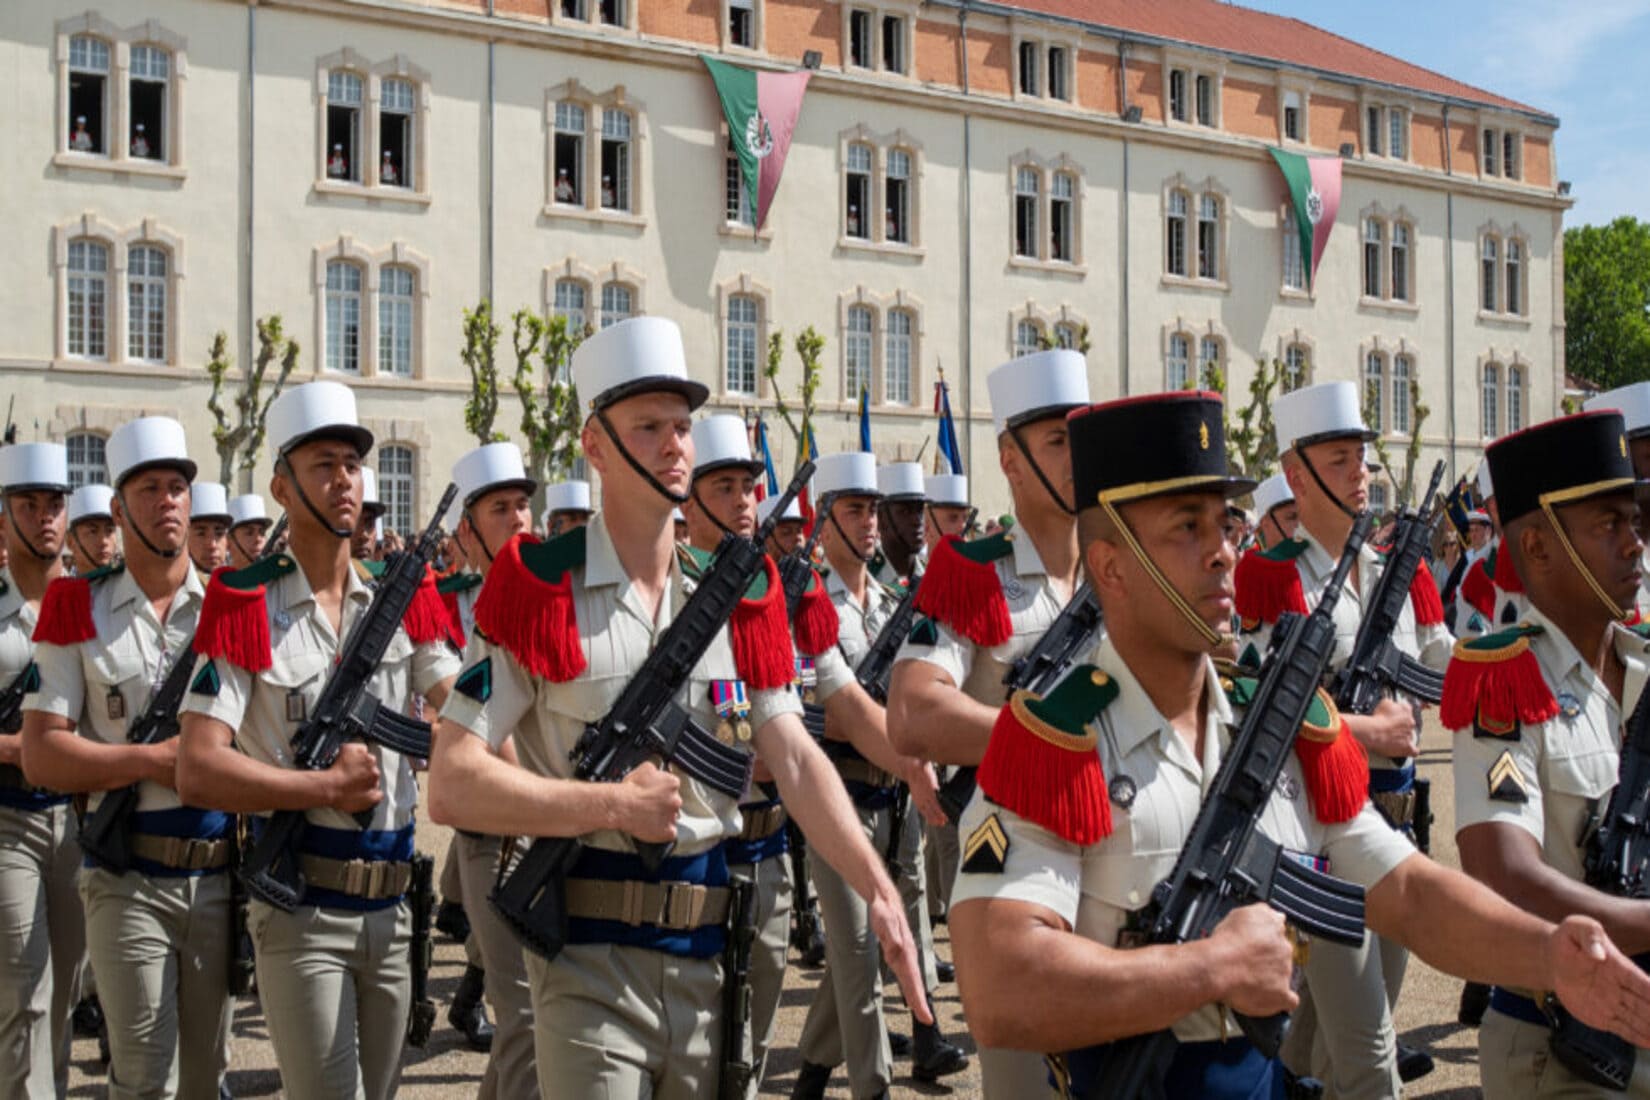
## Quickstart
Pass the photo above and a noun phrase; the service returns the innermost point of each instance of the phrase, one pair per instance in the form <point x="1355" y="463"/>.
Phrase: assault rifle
<point x="11" y="721"/>
<point x="1227" y="861"/>
<point x="738" y="1062"/>
<point x="645" y="724"/>
<point x="1066" y="638"/>
<point x="106" y="832"/>
<point x="348" y="711"/>
<point x="421" y="896"/>
<point x="1376" y="665"/>
<point x="796" y="570"/>
<point x="872" y="674"/>
<point x="1617" y="861"/>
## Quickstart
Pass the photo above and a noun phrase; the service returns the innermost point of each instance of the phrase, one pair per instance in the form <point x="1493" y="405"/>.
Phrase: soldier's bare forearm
<point x="58" y="758"/>
<point x="473" y="788"/>
<point x="931" y="718"/>
<point x="213" y="775"/>
<point x="853" y="715"/>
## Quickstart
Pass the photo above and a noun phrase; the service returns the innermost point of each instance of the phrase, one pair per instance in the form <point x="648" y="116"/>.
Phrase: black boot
<point x="88" y="1017"/>
<point x="811" y="1080"/>
<point x="1475" y="1000"/>
<point x="932" y="1057"/>
<point x="899" y="1043"/>
<point x="468" y="1014"/>
<point x="1413" y="1063"/>
<point x="946" y="972"/>
<point x="452" y="921"/>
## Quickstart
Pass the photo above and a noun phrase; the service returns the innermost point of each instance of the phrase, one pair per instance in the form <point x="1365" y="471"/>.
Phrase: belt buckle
<point x="631" y="903"/>
<point x="358" y="877"/>
<point x="683" y="903"/>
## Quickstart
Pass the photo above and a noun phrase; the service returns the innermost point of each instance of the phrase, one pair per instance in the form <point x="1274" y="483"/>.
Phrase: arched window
<point x="88" y="288"/>
<point x="397" y="129"/>
<point x="346" y="99"/>
<point x="1400" y="261"/>
<point x="1515" y="277"/>
<point x="1490" y="405"/>
<point x="1211" y="356"/>
<point x="1208" y="237"/>
<point x="1403" y="374"/>
<point x="1374" y="389"/>
<point x="1174" y="233"/>
<point x="898" y="202"/>
<point x="618" y="303"/>
<point x="1374" y="242"/>
<point x="1068" y="335"/>
<point x="857" y="213"/>
<point x="1515" y="397"/>
<point x="150" y="72"/>
<point x="397" y="484"/>
<point x="86" y="462"/>
<point x="896" y="359"/>
<point x="88" y="95"/>
<point x="572" y="298"/>
<point x="1297" y="366"/>
<point x="856" y="352"/>
<point x="568" y="155"/>
<point x="1294" y="267"/>
<point x="616" y="158"/>
<point x="146" y="303"/>
<point x="1062" y="218"/>
<point x="1179" y="355"/>
<point x="743" y="337"/>
<point x="1028" y="188"/>
<point x="397" y="298"/>
<point x="343" y="302"/>
<point x="1028" y="337"/>
<point x="1491" y="275"/>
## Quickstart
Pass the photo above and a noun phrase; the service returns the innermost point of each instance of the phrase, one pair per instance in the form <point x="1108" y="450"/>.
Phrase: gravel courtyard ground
<point x="448" y="1069"/>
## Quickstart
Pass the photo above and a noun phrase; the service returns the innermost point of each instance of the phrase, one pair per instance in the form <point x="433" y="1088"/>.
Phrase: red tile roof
<point x="1244" y="31"/>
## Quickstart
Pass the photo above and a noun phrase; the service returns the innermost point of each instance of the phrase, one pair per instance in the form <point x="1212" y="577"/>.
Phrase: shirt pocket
<point x="1582" y="772"/>
<point x="584" y="700"/>
<point x="116" y="685"/>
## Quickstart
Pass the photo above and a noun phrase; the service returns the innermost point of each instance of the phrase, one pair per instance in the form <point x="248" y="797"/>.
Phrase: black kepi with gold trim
<point x="1560" y="462"/>
<point x="1139" y="447"/>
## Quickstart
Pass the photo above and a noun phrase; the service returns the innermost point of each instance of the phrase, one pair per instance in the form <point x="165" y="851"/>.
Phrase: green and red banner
<point x="1315" y="192"/>
<point x="761" y="109"/>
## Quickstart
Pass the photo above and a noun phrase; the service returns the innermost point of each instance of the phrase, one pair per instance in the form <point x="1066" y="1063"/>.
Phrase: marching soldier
<point x="249" y="526"/>
<point x="334" y="975"/>
<point x="158" y="922"/>
<point x="845" y="1021"/>
<point x="42" y="929"/>
<point x="1633" y="401"/>
<point x="1537" y="710"/>
<point x="1090" y="791"/>
<point x="900" y="521"/>
<point x="1345" y="1035"/>
<point x="1491" y="588"/>
<point x="566" y="506"/>
<point x="628" y="1006"/>
<point x="1279" y="518"/>
<point x="91" y="528"/>
<point x="789" y="534"/>
<point x="369" y="527"/>
<point x="495" y="505"/>
<point x="987" y="602"/>
<point x="209" y="521"/>
<point x="946" y="513"/>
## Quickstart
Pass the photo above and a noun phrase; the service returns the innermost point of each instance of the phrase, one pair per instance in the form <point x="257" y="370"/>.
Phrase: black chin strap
<point x="131" y="521"/>
<point x="476" y="531"/>
<point x="1042" y="477"/>
<point x="1300" y="453"/>
<point x="693" y="492"/>
<point x="653" y="482"/>
<point x="847" y="544"/>
<point x="78" y="545"/>
<point x="337" y="532"/>
<point x="245" y="553"/>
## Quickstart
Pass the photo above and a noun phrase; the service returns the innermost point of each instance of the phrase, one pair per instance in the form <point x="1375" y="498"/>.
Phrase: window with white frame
<point x="1203" y="87"/>
<point x="1377" y="497"/>
<point x="1374" y="390"/>
<point x="1386" y="131"/>
<point x="86" y="459"/>
<point x="1388" y="274"/>
<point x="1062" y="217"/>
<point x="88" y="299"/>
<point x="611" y="12"/>
<point x="1027" y="198"/>
<point x="567" y="155"/>
<point x="1510" y="149"/>
<point x="1193" y="95"/>
<point x="146" y="303"/>
<point x="1397" y="128"/>
<point x="1374" y="245"/>
<point x="1068" y="336"/>
<point x="1515" y="276"/>
<point x="1403" y="376"/>
<point x="1297" y="367"/>
<point x="618" y="303"/>
<point x="346" y="98"/>
<point x="896" y="357"/>
<point x="1515" y="397"/>
<point x="149" y="75"/>
<point x="616" y="138"/>
<point x="1177" y="367"/>
<point x="859" y="38"/>
<point x="856" y="352"/>
<point x="1194" y="232"/>
<point x="861" y="162"/>
<point x="897" y="198"/>
<point x="1059" y="73"/>
<point x="1399" y="268"/>
<point x="1175" y="234"/>
<point x="571" y="302"/>
<point x="741" y="23"/>
<point x="1211" y="357"/>
<point x="1028" y="337"/>
<point x="1374" y="131"/>
<point x="397" y="110"/>
<point x="1030" y="75"/>
<point x="894" y="49"/>
<point x="397" y="299"/>
<point x="1294" y="263"/>
<point x="343" y="317"/>
<point x="742" y="341"/>
<point x="1179" y="108"/>
<point x="1501" y="149"/>
<point x="739" y="202"/>
<point x="1490" y="273"/>
<point x="89" y="106"/>
<point x="1490" y="403"/>
<point x="397" y="487"/>
<point x="574" y="9"/>
<point x="1503" y="272"/>
<point x="1293" y="122"/>
<point x="1208" y="236"/>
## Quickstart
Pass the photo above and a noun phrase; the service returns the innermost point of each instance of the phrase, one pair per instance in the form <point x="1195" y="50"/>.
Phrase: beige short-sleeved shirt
<point x="266" y="709"/>
<point x="617" y="632"/>
<point x="102" y="685"/>
<point x="17" y="620"/>
<point x="1094" y="889"/>
<point x="1034" y="602"/>
<point x="1568" y="765"/>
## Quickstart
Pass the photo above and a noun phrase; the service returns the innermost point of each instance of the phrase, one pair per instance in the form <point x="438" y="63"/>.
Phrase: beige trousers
<point x="162" y="945"/>
<point x="452" y="888"/>
<point x="336" y="986"/>
<point x="772" y="881"/>
<point x="42" y="947"/>
<point x="626" y="1023"/>
<point x="510" y="1071"/>
<point x="1343" y="1033"/>
<point x="1516" y="1064"/>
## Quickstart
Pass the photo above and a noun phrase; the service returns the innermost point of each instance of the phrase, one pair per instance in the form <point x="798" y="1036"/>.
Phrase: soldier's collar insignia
<point x="986" y="851"/>
<point x="1123" y="791"/>
<point x="207" y="681"/>
<point x="1506" y="779"/>
<point x="476" y="682"/>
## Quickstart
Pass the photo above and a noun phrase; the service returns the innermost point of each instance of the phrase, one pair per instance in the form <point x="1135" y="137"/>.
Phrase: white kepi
<point x="247" y="508"/>
<point x="1036" y="387"/>
<point x="316" y="410"/>
<point x="851" y="474"/>
<point x="765" y="506"/>
<point x="91" y="502"/>
<point x="209" y="500"/>
<point x="489" y="467"/>
<point x="370" y="504"/>
<point x="901" y="481"/>
<point x="721" y="441"/>
<point x="947" y="490"/>
<point x="1486" y="486"/>
<point x="1271" y="493"/>
<point x="34" y="467"/>
<point x="146" y="442"/>
<point x="637" y="355"/>
<point x="1317" y="414"/>
<point x="1634" y="402"/>
<point x="567" y="496"/>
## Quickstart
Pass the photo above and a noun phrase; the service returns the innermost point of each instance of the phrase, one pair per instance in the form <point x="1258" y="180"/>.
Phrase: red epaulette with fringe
<point x="816" y="627"/>
<point x="526" y="604"/>
<point x="1479" y="590"/>
<point x="761" y="635"/>
<point x="66" y="612"/>
<point x="1496" y="683"/>
<point x="1269" y="584"/>
<point x="426" y="619"/>
<point x="1043" y="762"/>
<point x="1424" y="598"/>
<point x="1333" y="763"/>
<point x="961" y="589"/>
<point x="234" y="622"/>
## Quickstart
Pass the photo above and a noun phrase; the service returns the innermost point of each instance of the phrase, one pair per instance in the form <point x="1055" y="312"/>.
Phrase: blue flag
<point x="948" y="456"/>
<point x="864" y="418"/>
<point x="767" y="456"/>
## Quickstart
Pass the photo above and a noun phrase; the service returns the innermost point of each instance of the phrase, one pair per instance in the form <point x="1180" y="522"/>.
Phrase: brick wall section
<point x="1097" y="81"/>
<point x="1333" y="121"/>
<point x="1146" y="89"/>
<point x="795" y="28"/>
<point x="1464" y="136"/>
<point x="1426" y="142"/>
<point x="537" y="11"/>
<point x="1250" y="109"/>
<point x="1538" y="161"/>
<point x="696" y="21"/>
